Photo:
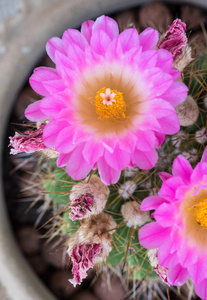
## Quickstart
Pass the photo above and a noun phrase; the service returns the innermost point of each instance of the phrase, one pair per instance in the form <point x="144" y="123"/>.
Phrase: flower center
<point x="201" y="213"/>
<point x="110" y="104"/>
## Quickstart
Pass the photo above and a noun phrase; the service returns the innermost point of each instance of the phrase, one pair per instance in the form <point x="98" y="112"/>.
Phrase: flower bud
<point x="90" y="245"/>
<point x="88" y="198"/>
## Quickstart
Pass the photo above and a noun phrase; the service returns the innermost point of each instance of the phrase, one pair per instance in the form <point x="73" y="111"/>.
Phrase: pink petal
<point x="204" y="156"/>
<point x="51" y="106"/>
<point x="34" y="112"/>
<point x="73" y="36"/>
<point x="54" y="86"/>
<point x="128" y="142"/>
<point x="100" y="41"/>
<point x="165" y="214"/>
<point x="198" y="270"/>
<point x="64" y="142"/>
<point x="108" y="175"/>
<point x="166" y="256"/>
<point x="160" y="138"/>
<point x="198" y="173"/>
<point x="114" y="50"/>
<point x="129" y="39"/>
<point x="177" y="275"/>
<point x="109" y="143"/>
<point x="148" y="59"/>
<point x="161" y="108"/>
<point x="86" y="29"/>
<point x="77" y="167"/>
<point x="164" y="176"/>
<point x="151" y="202"/>
<point x="145" y="140"/>
<point x="63" y="159"/>
<point x="176" y="93"/>
<point x="107" y="25"/>
<point x="40" y="76"/>
<point x="118" y="160"/>
<point x="76" y="54"/>
<point x="53" y="45"/>
<point x="152" y="235"/>
<point x="92" y="151"/>
<point x="148" y="123"/>
<point x="158" y="81"/>
<point x="164" y="60"/>
<point x="187" y="255"/>
<point x="169" y="187"/>
<point x="52" y="130"/>
<point x="67" y="69"/>
<point x="201" y="289"/>
<point x="169" y="124"/>
<point x="149" y="39"/>
<point x="145" y="160"/>
<point x="181" y="167"/>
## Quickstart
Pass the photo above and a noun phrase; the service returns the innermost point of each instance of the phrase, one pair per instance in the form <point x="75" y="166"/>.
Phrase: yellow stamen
<point x="201" y="216"/>
<point x="116" y="109"/>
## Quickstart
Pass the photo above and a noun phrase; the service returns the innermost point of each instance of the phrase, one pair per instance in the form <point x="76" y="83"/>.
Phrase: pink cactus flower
<point x="79" y="207"/>
<point x="31" y="142"/>
<point x="175" y="38"/>
<point x="83" y="259"/>
<point x="180" y="229"/>
<point x="110" y="100"/>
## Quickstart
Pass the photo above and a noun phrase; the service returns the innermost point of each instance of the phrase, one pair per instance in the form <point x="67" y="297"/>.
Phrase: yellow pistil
<point x="110" y="104"/>
<point x="201" y="216"/>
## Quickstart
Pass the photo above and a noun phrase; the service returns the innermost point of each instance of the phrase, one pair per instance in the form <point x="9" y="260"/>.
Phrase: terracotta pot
<point x="24" y="37"/>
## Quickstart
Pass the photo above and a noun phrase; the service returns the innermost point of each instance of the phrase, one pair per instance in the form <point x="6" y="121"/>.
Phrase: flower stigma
<point x="110" y="104"/>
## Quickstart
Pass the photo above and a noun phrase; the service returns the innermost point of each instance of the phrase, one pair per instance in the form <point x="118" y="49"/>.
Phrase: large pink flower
<point x="109" y="101"/>
<point x="180" y="230"/>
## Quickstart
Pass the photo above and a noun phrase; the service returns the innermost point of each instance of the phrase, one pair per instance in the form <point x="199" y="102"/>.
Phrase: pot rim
<point x="17" y="277"/>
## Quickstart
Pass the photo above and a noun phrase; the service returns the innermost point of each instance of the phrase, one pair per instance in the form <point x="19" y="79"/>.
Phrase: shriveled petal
<point x="107" y="25"/>
<point x="149" y="38"/>
<point x="181" y="167"/>
<point x="152" y="235"/>
<point x="108" y="175"/>
<point x="34" y="112"/>
<point x="86" y="29"/>
<point x="152" y="202"/>
<point x="145" y="159"/>
<point x="177" y="275"/>
<point x="77" y="167"/>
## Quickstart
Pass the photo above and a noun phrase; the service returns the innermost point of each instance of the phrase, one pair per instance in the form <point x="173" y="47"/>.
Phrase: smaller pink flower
<point x="31" y="142"/>
<point x="82" y="257"/>
<point x="80" y="206"/>
<point x="180" y="228"/>
<point x="175" y="38"/>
